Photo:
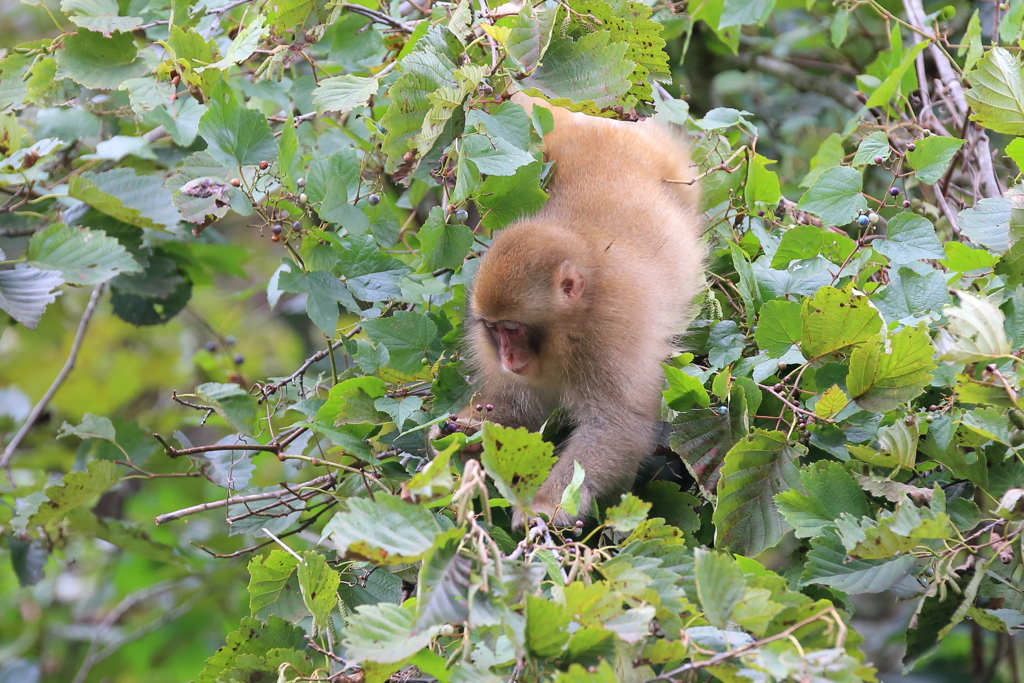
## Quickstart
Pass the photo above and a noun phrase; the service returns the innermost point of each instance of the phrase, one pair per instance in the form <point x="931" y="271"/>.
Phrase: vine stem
<point x="69" y="364"/>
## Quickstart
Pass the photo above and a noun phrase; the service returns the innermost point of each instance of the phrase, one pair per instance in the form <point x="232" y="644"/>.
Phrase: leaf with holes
<point x="517" y="460"/>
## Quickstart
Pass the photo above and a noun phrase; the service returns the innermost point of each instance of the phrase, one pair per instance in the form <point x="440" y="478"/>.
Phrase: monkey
<point x="577" y="306"/>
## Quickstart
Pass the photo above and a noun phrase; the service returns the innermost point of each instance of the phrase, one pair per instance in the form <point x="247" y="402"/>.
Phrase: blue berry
<point x="239" y="359"/>
<point x="211" y="346"/>
<point x="723" y="410"/>
<point x="863" y="221"/>
<point x="461" y="215"/>
<point x="230" y="340"/>
<point x="373" y="200"/>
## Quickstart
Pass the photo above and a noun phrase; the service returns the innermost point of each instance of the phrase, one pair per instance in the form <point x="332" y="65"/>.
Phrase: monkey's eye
<point x="513" y="329"/>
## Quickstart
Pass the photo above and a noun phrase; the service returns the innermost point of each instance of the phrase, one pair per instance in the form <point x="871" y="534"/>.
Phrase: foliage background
<point x="96" y="591"/>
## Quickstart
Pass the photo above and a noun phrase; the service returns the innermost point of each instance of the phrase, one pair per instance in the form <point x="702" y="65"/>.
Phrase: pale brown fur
<point x="634" y="240"/>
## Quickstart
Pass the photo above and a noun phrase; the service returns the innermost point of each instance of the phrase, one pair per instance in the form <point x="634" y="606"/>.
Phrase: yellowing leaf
<point x="831" y="402"/>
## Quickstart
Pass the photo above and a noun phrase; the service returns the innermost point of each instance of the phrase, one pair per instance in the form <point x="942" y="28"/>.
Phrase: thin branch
<point x="76" y="345"/>
<point x="378" y="17"/>
<point x="319" y="482"/>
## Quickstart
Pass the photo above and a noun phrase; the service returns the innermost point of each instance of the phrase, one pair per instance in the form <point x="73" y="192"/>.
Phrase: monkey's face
<point x="517" y="346"/>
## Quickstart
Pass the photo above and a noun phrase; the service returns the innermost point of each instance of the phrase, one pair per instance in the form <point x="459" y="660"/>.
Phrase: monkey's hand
<point x="456" y="423"/>
<point x="547" y="502"/>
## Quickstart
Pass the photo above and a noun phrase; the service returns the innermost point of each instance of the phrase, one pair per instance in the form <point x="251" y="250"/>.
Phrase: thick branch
<point x="76" y="345"/>
<point x="801" y="80"/>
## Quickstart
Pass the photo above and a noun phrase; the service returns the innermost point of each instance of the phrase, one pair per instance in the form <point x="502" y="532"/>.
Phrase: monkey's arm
<point x="610" y="448"/>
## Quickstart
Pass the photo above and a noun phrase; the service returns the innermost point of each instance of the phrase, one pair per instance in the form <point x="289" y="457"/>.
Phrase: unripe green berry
<point x="303" y="197"/>
<point x="873" y="218"/>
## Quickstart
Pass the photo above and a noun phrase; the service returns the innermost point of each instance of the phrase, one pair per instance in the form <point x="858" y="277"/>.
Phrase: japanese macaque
<point x="577" y="306"/>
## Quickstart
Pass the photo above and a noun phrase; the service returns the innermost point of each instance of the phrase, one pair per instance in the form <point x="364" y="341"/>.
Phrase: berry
<point x="239" y="359"/>
<point x="230" y="340"/>
<point x="303" y="197"/>
<point x="873" y="218"/>
<point x="781" y="365"/>
<point x="447" y="630"/>
<point x="933" y="408"/>
<point x="462" y="215"/>
<point x="760" y="213"/>
<point x="235" y="182"/>
<point x="373" y="199"/>
<point x="723" y="410"/>
<point x="264" y="165"/>
<point x="911" y="147"/>
<point x="211" y="346"/>
<point x="489" y="407"/>
<point x="275" y="238"/>
<point x="296" y="225"/>
<point x="927" y="133"/>
<point x="1017" y="439"/>
<point x="879" y="160"/>
<point x="479" y="408"/>
<point x="906" y="203"/>
<point x="453" y="417"/>
<point x="276" y="229"/>
<point x="894" y="191"/>
<point x="929" y="418"/>
<point x="863" y="221"/>
<point x="777" y="387"/>
<point x="301" y="182"/>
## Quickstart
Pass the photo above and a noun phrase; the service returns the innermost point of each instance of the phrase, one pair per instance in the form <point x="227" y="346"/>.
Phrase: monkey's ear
<point x="570" y="280"/>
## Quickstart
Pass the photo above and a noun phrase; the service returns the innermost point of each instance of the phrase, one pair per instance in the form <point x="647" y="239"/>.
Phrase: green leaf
<point x="76" y="489"/>
<point x="591" y="69"/>
<point x="319" y="585"/>
<point x="236" y="135"/>
<point x="807" y="241"/>
<point x="344" y="93"/>
<point x="896" y="532"/>
<point x="702" y="438"/>
<point x="744" y="12"/>
<point x="891" y="85"/>
<point x="385" y="530"/>
<point x="324" y="292"/>
<point x="829" y="492"/>
<point x="628" y="514"/>
<point x="508" y="121"/>
<point x="720" y="585"/>
<point x="231" y="402"/>
<point x="443" y="587"/>
<point x="874" y="145"/>
<point x="961" y="258"/>
<point x="832" y="401"/>
<point x="268" y="577"/>
<point x="383" y="633"/>
<point x="409" y="338"/>
<point x="755" y="469"/>
<point x="255" y="652"/>
<point x="909" y="295"/>
<point x="828" y="565"/>
<point x="931" y="156"/>
<point x="684" y="391"/>
<point x="571" y="495"/>
<point x="779" y="326"/>
<point x="82" y="256"/>
<point x="429" y="67"/>
<point x="517" y="460"/>
<point x="91" y="427"/>
<point x="834" y="320"/>
<point x="882" y="376"/>
<point x="997" y="92"/>
<point x="530" y="35"/>
<point x="504" y="199"/>
<point x="98" y="62"/>
<point x="26" y="292"/>
<point x="494" y="155"/>
<point x="835" y="196"/>
<point x="725" y="344"/>
<point x="446" y="244"/>
<point x="546" y="624"/>
<point x="975" y="331"/>
<point x="988" y="223"/>
<point x="1011" y="266"/>
<point x="243" y="45"/>
<point x="140" y="200"/>
<point x="909" y="238"/>
<point x="98" y="15"/>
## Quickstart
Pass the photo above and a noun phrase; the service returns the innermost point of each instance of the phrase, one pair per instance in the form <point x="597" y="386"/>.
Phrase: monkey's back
<point x="612" y="187"/>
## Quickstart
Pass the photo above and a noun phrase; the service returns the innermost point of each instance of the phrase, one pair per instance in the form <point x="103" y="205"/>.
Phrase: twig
<point x="378" y="17"/>
<point x="316" y="357"/>
<point x="76" y="345"/>
<point x="319" y="482"/>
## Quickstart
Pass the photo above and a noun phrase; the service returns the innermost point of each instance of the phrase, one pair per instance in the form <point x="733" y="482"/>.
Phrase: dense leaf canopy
<point x="235" y="244"/>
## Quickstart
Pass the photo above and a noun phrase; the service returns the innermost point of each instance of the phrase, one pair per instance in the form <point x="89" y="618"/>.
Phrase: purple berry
<point x="879" y="160"/>
<point x="894" y="191"/>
